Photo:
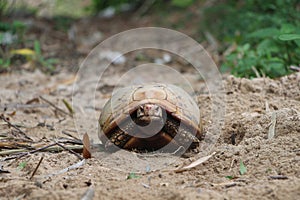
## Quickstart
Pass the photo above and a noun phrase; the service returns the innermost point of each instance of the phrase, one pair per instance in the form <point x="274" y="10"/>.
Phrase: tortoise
<point x="150" y="117"/>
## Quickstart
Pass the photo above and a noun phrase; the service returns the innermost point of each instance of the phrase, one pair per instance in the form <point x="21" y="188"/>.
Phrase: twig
<point x="45" y="148"/>
<point x="14" y="126"/>
<point x="4" y="171"/>
<point x="22" y="150"/>
<point x="279" y="177"/>
<point x="13" y="145"/>
<point x="71" y="151"/>
<point x="54" y="106"/>
<point x="255" y="71"/>
<point x="36" y="168"/>
<point x="68" y="134"/>
<point x="295" y="68"/>
<point x="69" y="140"/>
<point x="226" y="184"/>
<point x="78" y="164"/>
<point x="24" y="106"/>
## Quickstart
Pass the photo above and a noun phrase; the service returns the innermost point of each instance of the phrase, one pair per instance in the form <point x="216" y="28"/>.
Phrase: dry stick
<point x="54" y="106"/>
<point x="28" y="152"/>
<point x="15" y="144"/>
<point x="279" y="177"/>
<point x="76" y="165"/>
<point x="24" y="106"/>
<point x="14" y="126"/>
<point x="36" y="168"/>
<point x="256" y="72"/>
<point x="70" y="135"/>
<point x="71" y="151"/>
<point x="34" y="151"/>
<point x="295" y="68"/>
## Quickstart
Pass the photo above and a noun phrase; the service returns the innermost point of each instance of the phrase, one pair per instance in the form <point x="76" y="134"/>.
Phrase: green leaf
<point x="246" y="47"/>
<point x="52" y="60"/>
<point x="132" y="175"/>
<point x="4" y="64"/>
<point x="288" y="37"/>
<point x="243" y="169"/>
<point x="264" y="33"/>
<point x="225" y="68"/>
<point x="37" y="48"/>
<point x="287" y="28"/>
<point x="297" y="43"/>
<point x="267" y="46"/>
<point x="276" y="69"/>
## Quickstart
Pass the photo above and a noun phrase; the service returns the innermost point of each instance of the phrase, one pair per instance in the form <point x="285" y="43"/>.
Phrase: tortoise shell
<point x="181" y="119"/>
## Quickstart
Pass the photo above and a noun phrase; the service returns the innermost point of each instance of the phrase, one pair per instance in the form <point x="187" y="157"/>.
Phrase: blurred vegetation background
<point x="252" y="38"/>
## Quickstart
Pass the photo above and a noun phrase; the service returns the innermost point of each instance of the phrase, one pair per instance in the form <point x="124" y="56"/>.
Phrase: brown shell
<point x="170" y="97"/>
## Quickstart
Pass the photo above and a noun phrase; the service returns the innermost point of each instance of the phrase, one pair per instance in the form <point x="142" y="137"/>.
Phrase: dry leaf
<point x="23" y="52"/>
<point x="271" y="132"/>
<point x="195" y="163"/>
<point x="86" y="146"/>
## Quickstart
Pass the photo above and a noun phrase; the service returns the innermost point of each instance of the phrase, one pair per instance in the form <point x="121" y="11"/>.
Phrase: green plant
<point x="276" y="50"/>
<point x="132" y="175"/>
<point x="48" y="63"/>
<point x="263" y="36"/>
<point x="11" y="36"/>
<point x="182" y="3"/>
<point x="3" y="7"/>
<point x="36" y="58"/>
<point x="229" y="177"/>
<point x="4" y="64"/>
<point x="98" y="5"/>
<point x="62" y="23"/>
<point x="22" y="165"/>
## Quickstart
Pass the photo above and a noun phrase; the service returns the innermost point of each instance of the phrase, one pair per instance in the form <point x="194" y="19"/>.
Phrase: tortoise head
<point x="149" y="112"/>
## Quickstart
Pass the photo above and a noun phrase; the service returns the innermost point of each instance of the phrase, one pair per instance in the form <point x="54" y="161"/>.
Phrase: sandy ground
<point x="261" y="129"/>
<point x="272" y="163"/>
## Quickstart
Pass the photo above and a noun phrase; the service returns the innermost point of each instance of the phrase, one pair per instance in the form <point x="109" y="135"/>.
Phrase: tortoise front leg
<point x="182" y="133"/>
<point x="118" y="139"/>
<point x="121" y="137"/>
